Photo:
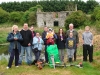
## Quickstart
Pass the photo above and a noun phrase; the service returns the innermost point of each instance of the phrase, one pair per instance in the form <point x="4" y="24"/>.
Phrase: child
<point x="70" y="44"/>
<point x="50" y="37"/>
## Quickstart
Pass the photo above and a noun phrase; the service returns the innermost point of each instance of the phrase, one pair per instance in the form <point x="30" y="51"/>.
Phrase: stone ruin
<point x="51" y="19"/>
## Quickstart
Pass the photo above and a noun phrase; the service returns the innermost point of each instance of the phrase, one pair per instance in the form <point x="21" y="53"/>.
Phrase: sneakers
<point x="7" y="67"/>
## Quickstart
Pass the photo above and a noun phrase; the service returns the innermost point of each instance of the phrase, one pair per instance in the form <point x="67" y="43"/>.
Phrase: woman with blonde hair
<point x="14" y="38"/>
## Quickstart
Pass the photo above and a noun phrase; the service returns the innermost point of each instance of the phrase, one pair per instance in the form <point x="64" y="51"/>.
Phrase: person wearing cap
<point x="51" y="36"/>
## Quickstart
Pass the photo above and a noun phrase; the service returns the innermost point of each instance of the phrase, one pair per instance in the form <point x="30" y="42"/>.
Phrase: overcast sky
<point x="29" y="0"/>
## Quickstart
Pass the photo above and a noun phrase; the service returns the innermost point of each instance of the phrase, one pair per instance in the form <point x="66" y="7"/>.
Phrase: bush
<point x="96" y="14"/>
<point x="4" y="16"/>
<point x="78" y="18"/>
<point x="32" y="18"/>
<point x="15" y="17"/>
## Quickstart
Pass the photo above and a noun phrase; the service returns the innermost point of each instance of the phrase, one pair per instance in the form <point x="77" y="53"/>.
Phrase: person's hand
<point x="29" y="44"/>
<point x="15" y="38"/>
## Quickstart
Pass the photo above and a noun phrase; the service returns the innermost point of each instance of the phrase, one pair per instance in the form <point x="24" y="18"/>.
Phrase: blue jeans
<point x="28" y="55"/>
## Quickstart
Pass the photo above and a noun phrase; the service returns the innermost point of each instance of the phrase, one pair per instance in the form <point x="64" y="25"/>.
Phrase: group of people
<point x="27" y="41"/>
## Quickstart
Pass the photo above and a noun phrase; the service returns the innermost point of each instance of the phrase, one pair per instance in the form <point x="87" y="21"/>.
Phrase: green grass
<point x="87" y="69"/>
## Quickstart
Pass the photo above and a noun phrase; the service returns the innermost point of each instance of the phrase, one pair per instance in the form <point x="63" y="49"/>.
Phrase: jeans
<point x="46" y="54"/>
<point x="61" y="54"/>
<point x="70" y="53"/>
<point x="37" y="55"/>
<point x="28" y="54"/>
<point x="15" y="53"/>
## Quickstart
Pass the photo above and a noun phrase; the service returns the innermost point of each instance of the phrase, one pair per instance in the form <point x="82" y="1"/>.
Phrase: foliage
<point x="30" y="15"/>
<point x="4" y="16"/>
<point x="96" y="14"/>
<point x="50" y="5"/>
<point x="15" y="17"/>
<point x="32" y="18"/>
<point x="77" y="18"/>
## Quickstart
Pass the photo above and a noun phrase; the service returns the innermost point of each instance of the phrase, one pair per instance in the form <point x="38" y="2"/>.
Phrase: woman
<point x="61" y="43"/>
<point x="14" y="38"/>
<point x="37" y="42"/>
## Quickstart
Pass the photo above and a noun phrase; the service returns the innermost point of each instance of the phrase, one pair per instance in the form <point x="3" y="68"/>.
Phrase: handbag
<point x="35" y="50"/>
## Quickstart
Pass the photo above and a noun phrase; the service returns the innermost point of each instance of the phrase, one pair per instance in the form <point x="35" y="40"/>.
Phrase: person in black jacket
<point x="44" y="39"/>
<point x="26" y="44"/>
<point x="61" y="43"/>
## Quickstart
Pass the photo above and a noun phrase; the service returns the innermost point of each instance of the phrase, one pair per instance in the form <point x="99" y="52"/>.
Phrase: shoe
<point x="17" y="66"/>
<point x="7" y="67"/>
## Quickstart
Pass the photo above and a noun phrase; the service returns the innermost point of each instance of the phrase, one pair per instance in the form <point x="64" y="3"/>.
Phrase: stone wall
<point x="48" y="18"/>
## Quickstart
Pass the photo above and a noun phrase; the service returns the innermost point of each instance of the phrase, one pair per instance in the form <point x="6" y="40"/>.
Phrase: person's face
<point x="25" y="26"/>
<point x="71" y="27"/>
<point x="61" y="30"/>
<point x="71" y="35"/>
<point x="87" y="28"/>
<point x="45" y="29"/>
<point x="32" y="28"/>
<point x="37" y="34"/>
<point x="15" y="29"/>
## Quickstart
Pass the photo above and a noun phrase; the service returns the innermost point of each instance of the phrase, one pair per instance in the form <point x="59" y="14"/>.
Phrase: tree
<point x="96" y="14"/>
<point x="15" y="17"/>
<point x="77" y="18"/>
<point x="4" y="16"/>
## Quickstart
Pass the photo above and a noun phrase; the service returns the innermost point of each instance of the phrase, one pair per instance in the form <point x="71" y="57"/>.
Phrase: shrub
<point x="4" y="16"/>
<point x="15" y="17"/>
<point x="32" y="18"/>
<point x="78" y="18"/>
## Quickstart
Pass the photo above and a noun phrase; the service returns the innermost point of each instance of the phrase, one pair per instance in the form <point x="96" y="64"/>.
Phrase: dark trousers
<point x="15" y="53"/>
<point x="46" y="54"/>
<point x="87" y="50"/>
<point x="75" y="53"/>
<point x="37" y="55"/>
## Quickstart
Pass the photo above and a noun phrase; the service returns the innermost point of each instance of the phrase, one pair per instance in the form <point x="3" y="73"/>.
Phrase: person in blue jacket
<point x="14" y="38"/>
<point x="38" y="44"/>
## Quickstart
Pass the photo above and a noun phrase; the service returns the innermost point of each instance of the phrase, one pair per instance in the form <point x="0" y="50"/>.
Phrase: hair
<point x="63" y="34"/>
<point x="87" y="27"/>
<point x="25" y="23"/>
<point x="71" y="24"/>
<point x="14" y="27"/>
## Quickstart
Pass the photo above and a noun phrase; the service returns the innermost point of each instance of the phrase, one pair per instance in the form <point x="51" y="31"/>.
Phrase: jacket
<point x="70" y="43"/>
<point x="10" y="38"/>
<point x="44" y="37"/>
<point x="37" y="44"/>
<point x="27" y="37"/>
<point x="61" y="44"/>
<point x="75" y="35"/>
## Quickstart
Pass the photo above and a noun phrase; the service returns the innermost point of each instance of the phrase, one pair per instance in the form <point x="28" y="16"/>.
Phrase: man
<point x="87" y="37"/>
<point x="44" y="39"/>
<point x="75" y="35"/>
<point x="26" y="44"/>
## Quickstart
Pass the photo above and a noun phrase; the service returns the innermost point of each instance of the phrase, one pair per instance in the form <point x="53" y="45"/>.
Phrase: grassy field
<point x="88" y="68"/>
